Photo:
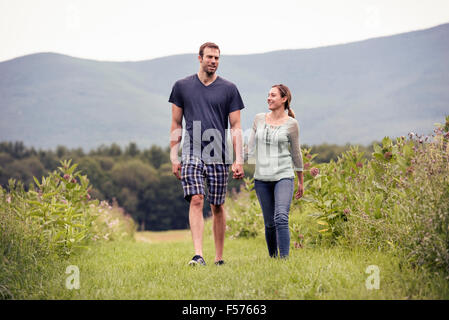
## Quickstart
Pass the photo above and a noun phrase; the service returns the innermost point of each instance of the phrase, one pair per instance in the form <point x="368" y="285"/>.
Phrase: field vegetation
<point x="388" y="210"/>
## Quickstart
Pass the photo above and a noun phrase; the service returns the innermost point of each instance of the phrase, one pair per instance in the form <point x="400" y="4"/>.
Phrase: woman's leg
<point x="283" y="194"/>
<point x="265" y="194"/>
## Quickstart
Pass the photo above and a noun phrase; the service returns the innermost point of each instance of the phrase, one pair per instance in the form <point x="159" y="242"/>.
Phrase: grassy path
<point x="155" y="267"/>
<point x="163" y="236"/>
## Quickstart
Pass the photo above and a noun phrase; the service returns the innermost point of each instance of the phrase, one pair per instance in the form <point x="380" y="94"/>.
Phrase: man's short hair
<point x="208" y="45"/>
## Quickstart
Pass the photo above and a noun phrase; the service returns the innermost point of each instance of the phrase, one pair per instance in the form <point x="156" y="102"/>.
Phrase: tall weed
<point x="397" y="201"/>
<point x="51" y="220"/>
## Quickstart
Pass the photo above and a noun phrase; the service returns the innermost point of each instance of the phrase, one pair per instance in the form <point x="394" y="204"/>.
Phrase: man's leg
<point x="192" y="179"/>
<point x="219" y="228"/>
<point x="197" y="222"/>
<point x="217" y="179"/>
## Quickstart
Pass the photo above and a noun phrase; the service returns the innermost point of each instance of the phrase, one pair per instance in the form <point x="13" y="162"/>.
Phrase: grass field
<point x="155" y="267"/>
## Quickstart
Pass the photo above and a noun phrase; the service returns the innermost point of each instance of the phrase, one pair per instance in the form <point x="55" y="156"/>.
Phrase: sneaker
<point x="219" y="263"/>
<point x="197" y="260"/>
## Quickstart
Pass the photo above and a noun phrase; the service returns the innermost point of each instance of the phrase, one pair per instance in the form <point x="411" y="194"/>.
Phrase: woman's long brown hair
<point x="285" y="92"/>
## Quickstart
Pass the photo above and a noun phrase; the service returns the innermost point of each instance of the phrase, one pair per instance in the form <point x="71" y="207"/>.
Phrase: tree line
<point x="140" y="180"/>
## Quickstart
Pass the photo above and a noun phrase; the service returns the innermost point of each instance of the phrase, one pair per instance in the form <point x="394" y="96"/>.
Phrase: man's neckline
<point x="206" y="86"/>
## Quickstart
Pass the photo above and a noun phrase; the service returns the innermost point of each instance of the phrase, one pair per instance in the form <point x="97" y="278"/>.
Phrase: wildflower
<point x="388" y="155"/>
<point x="347" y="211"/>
<point x="8" y="199"/>
<point x="359" y="165"/>
<point x="306" y="166"/>
<point x="298" y="245"/>
<point x="314" y="171"/>
<point x="67" y="176"/>
<point x="309" y="156"/>
<point x="113" y="223"/>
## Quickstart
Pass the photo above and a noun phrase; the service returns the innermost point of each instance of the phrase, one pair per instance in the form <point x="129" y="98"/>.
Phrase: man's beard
<point x="209" y="73"/>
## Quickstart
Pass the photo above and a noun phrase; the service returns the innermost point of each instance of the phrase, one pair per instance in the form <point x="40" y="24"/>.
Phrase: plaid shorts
<point x="195" y="173"/>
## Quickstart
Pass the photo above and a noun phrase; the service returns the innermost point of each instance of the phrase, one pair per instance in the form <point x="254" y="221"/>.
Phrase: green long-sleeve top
<point x="275" y="150"/>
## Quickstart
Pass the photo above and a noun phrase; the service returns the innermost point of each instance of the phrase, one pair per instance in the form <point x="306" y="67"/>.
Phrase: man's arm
<point x="237" y="142"/>
<point x="175" y="139"/>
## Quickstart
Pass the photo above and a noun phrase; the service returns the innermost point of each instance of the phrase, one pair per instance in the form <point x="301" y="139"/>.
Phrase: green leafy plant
<point x="245" y="215"/>
<point x="396" y="201"/>
<point x="55" y="217"/>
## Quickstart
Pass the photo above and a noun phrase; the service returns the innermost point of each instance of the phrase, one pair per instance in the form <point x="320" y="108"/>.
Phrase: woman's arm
<point x="297" y="158"/>
<point x="300" y="192"/>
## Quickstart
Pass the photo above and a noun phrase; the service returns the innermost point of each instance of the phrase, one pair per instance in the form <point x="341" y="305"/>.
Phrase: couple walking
<point x="206" y="102"/>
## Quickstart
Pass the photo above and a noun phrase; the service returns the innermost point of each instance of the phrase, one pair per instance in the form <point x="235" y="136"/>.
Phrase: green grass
<point x="158" y="270"/>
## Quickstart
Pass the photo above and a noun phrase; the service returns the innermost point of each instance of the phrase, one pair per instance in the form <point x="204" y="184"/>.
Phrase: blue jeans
<point x="275" y="198"/>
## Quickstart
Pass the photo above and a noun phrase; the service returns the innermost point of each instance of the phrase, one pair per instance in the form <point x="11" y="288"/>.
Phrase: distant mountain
<point x="356" y="92"/>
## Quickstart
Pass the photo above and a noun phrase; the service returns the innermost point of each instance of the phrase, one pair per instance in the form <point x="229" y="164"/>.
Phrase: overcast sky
<point x="118" y="30"/>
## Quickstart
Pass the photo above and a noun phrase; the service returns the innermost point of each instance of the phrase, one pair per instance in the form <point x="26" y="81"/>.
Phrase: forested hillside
<point x="140" y="180"/>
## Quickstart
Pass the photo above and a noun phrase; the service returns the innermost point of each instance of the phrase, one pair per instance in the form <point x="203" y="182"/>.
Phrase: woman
<point x="274" y="145"/>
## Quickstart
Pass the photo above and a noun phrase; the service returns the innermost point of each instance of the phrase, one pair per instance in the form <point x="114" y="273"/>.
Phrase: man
<point x="206" y="101"/>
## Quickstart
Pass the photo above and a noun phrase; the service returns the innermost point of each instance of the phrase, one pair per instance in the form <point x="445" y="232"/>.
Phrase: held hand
<point x="176" y="170"/>
<point x="300" y="191"/>
<point x="237" y="170"/>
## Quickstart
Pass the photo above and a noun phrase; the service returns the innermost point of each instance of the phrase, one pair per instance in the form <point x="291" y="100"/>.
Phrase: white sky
<point x="120" y="30"/>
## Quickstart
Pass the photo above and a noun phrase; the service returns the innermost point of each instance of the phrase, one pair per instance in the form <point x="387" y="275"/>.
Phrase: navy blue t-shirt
<point x="206" y="111"/>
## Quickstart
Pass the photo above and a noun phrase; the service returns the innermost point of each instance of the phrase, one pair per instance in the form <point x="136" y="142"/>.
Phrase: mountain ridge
<point x="345" y="93"/>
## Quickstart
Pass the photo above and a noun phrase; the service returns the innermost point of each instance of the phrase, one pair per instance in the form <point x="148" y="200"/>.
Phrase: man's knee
<point x="217" y="209"/>
<point x="197" y="200"/>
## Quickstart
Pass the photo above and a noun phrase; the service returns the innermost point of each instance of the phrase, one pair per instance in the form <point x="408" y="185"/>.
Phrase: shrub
<point x="53" y="219"/>
<point x="245" y="219"/>
<point x="398" y="200"/>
